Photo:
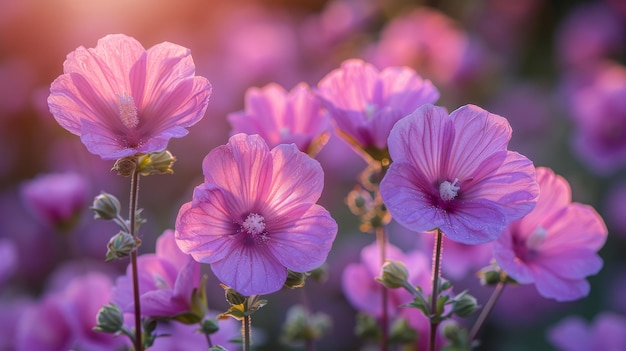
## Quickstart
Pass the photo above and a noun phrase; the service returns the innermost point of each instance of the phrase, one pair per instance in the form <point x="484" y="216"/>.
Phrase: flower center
<point x="254" y="224"/>
<point x="536" y="238"/>
<point x="128" y="111"/>
<point x="449" y="191"/>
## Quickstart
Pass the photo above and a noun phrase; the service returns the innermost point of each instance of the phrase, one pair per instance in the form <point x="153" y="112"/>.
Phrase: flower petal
<point x="551" y="286"/>
<point x="250" y="270"/>
<point x="303" y="243"/>
<point x="242" y="167"/>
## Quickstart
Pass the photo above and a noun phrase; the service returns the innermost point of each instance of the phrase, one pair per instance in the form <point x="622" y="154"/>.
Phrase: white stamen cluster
<point x="128" y="111"/>
<point x="254" y="224"/>
<point x="449" y="191"/>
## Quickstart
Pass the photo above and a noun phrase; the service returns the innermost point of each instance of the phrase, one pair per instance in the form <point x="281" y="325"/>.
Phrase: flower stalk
<point x="132" y="218"/>
<point x="495" y="295"/>
<point x="381" y="238"/>
<point x="434" y="320"/>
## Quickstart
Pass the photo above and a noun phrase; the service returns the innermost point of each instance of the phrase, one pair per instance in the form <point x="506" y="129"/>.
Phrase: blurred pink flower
<point x="64" y="320"/>
<point x="454" y="172"/>
<point x="366" y="103"/>
<point x="8" y="260"/>
<point x="364" y="292"/>
<point x="425" y="39"/>
<point x="575" y="334"/>
<point x="598" y="108"/>
<point x="555" y="246"/>
<point x="176" y="336"/>
<point x="166" y="281"/>
<point x="122" y="99"/>
<point x="255" y="215"/>
<point x="589" y="32"/>
<point x="56" y="199"/>
<point x="282" y="117"/>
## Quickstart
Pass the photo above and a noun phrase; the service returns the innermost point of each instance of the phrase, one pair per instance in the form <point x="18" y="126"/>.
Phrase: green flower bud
<point x="464" y="304"/>
<point x="109" y="319"/>
<point x="217" y="348"/>
<point x="402" y="333"/>
<point x="303" y="326"/>
<point x="295" y="279"/>
<point x="121" y="245"/>
<point x="209" y="326"/>
<point x="156" y="163"/>
<point x="394" y="274"/>
<point x="367" y="327"/>
<point x="233" y="297"/>
<point x="106" y="207"/>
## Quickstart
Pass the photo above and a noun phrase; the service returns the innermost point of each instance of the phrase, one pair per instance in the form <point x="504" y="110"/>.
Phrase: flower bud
<point x="464" y="304"/>
<point x="156" y="163"/>
<point x="209" y="326"/>
<point x="394" y="274"/>
<point x="233" y="297"/>
<point x="106" y="207"/>
<point x="367" y="327"/>
<point x="109" y="319"/>
<point x="303" y="326"/>
<point x="217" y="348"/>
<point x="295" y="279"/>
<point x="125" y="166"/>
<point x="402" y="333"/>
<point x="121" y="245"/>
<point x="359" y="201"/>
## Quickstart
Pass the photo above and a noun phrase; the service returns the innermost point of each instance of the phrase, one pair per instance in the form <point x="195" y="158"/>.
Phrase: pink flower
<point x="598" y="110"/>
<point x="284" y="118"/>
<point x="176" y="336"/>
<point x="64" y="320"/>
<point x="366" y="103"/>
<point x="454" y="172"/>
<point x="255" y="216"/>
<point x="555" y="246"/>
<point x="364" y="292"/>
<point x="122" y="99"/>
<point x="56" y="199"/>
<point x="575" y="334"/>
<point x="166" y="281"/>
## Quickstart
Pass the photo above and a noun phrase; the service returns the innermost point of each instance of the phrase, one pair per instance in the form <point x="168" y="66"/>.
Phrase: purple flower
<point x="255" y="215"/>
<point x="176" y="336"/>
<point x="364" y="292"/>
<point x="284" y="118"/>
<point x="56" y="199"/>
<point x="122" y="99"/>
<point x="575" y="334"/>
<point x="64" y="320"/>
<point x="598" y="109"/>
<point x="366" y="103"/>
<point x="454" y="172"/>
<point x="166" y="281"/>
<point x="555" y="246"/>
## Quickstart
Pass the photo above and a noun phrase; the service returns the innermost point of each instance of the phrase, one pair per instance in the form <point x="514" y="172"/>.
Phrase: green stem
<point x="434" y="320"/>
<point x="381" y="238"/>
<point x="495" y="295"/>
<point x="245" y="329"/>
<point x="134" y="191"/>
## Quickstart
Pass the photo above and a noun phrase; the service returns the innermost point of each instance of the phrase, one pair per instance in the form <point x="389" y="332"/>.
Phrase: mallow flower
<point x="365" y="103"/>
<point x="555" y="246"/>
<point x="454" y="172"/>
<point x="255" y="216"/>
<point x="282" y="117"/>
<point x="573" y="333"/>
<point x="122" y="99"/>
<point x="167" y="279"/>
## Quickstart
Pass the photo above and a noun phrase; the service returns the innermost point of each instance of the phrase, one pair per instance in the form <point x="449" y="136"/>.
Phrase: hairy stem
<point x="436" y="274"/>
<point x="381" y="238"/>
<point x="495" y="295"/>
<point x="245" y="330"/>
<point x="134" y="191"/>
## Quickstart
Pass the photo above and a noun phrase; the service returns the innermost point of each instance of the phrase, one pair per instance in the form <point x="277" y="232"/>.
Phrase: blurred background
<point x="554" y="69"/>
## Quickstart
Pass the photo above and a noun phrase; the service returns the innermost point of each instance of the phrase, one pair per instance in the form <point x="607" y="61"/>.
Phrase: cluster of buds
<point x="365" y="202"/>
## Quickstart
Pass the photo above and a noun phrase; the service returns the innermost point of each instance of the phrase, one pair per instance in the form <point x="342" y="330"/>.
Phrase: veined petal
<point x="551" y="286"/>
<point x="100" y="141"/>
<point x="250" y="270"/>
<point x="304" y="243"/>
<point x="205" y="228"/>
<point x="296" y="179"/>
<point x="474" y="222"/>
<point x="575" y="263"/>
<point x="350" y="86"/>
<point x="479" y="135"/>
<point x="242" y="167"/>
<point x="575" y="225"/>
